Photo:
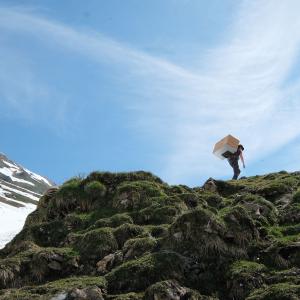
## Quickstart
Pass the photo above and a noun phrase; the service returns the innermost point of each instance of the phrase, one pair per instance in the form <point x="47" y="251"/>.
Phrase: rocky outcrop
<point x="130" y="236"/>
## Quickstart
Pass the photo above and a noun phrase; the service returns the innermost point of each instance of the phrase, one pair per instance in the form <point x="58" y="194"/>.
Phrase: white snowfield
<point x="38" y="177"/>
<point x="18" y="197"/>
<point x="28" y="194"/>
<point x="12" y="220"/>
<point x="10" y="173"/>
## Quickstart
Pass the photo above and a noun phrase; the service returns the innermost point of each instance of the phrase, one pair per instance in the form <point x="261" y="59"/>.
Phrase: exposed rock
<point x="91" y="293"/>
<point x="51" y="192"/>
<point x="60" y="296"/>
<point x="102" y="265"/>
<point x="54" y="265"/>
<point x="210" y="185"/>
<point x="172" y="290"/>
<point x="109" y="261"/>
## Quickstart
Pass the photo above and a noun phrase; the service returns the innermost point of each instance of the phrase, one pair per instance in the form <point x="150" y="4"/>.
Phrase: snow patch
<point x="12" y="220"/>
<point x="38" y="177"/>
<point x="5" y="184"/>
<point x="10" y="173"/>
<point x="10" y="164"/>
<point x="16" y="191"/>
<point x="3" y="193"/>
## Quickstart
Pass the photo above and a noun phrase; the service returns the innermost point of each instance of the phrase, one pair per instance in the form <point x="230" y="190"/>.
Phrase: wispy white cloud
<point x="247" y="97"/>
<point x="23" y="94"/>
<point x="241" y="90"/>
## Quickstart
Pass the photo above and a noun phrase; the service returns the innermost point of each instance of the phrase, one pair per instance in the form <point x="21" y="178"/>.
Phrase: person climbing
<point x="233" y="160"/>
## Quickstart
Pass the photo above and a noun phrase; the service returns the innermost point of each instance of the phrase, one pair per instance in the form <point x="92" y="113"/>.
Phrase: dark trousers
<point x="235" y="166"/>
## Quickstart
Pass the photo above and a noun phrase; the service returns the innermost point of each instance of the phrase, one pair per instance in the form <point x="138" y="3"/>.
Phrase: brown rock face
<point x="91" y="293"/>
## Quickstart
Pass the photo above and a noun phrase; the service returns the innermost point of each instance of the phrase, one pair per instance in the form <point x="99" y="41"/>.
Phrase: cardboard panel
<point x="228" y="144"/>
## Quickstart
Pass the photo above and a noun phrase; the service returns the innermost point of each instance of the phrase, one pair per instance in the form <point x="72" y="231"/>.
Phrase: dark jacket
<point x="235" y="156"/>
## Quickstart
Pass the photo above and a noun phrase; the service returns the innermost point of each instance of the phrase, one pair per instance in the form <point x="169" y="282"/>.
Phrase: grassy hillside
<point x="130" y="236"/>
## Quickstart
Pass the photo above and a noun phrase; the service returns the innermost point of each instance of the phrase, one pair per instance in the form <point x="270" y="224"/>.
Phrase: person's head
<point x="240" y="147"/>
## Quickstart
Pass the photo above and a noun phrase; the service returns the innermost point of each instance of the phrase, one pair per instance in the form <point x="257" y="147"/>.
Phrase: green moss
<point x="271" y="186"/>
<point x="21" y="294"/>
<point x="198" y="233"/>
<point x="243" y="277"/>
<point x="136" y="195"/>
<point x="114" y="221"/>
<point x="134" y="248"/>
<point x="270" y="176"/>
<point x="274" y="189"/>
<point x="157" y="231"/>
<point x="246" y="267"/>
<point x="163" y="290"/>
<point x="226" y="188"/>
<point x="95" y="244"/>
<point x="77" y="194"/>
<point x="49" y="233"/>
<point x="259" y="208"/>
<point x="209" y="198"/>
<point x="37" y="216"/>
<point x="290" y="276"/>
<point x="114" y="179"/>
<point x="42" y="211"/>
<point x="296" y="197"/>
<point x="145" y="271"/>
<point x="76" y="221"/>
<point x="156" y="214"/>
<point x="291" y="230"/>
<point x="282" y="253"/>
<point x="274" y="231"/>
<point x="291" y="181"/>
<point x="128" y="296"/>
<point x="176" y="201"/>
<point x="126" y="232"/>
<point x="66" y="199"/>
<point x="141" y="221"/>
<point x="86" y="221"/>
<point x="162" y="210"/>
<point x="177" y="189"/>
<point x="280" y="291"/>
<point x="37" y="264"/>
<point x="241" y="229"/>
<point x="10" y="273"/>
<point x="290" y="214"/>
<point x="286" y="232"/>
<point x="70" y="188"/>
<point x="44" y="292"/>
<point x="95" y="190"/>
<point x="94" y="196"/>
<point x="100" y="213"/>
<point x="52" y="263"/>
<point x="79" y="282"/>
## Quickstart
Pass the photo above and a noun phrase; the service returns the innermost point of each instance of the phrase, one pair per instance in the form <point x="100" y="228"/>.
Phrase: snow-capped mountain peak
<point x="20" y="190"/>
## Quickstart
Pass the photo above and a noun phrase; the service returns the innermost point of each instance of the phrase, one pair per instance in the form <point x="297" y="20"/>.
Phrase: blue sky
<point x="149" y="85"/>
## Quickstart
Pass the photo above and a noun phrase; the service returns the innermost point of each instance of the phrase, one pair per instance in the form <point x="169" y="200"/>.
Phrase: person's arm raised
<point x="242" y="159"/>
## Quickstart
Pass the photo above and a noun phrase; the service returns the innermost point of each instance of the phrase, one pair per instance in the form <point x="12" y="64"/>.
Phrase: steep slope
<point x="20" y="190"/>
<point x="130" y="236"/>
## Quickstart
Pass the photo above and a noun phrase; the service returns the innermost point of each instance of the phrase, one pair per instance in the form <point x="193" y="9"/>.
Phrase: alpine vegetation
<point x="131" y="236"/>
